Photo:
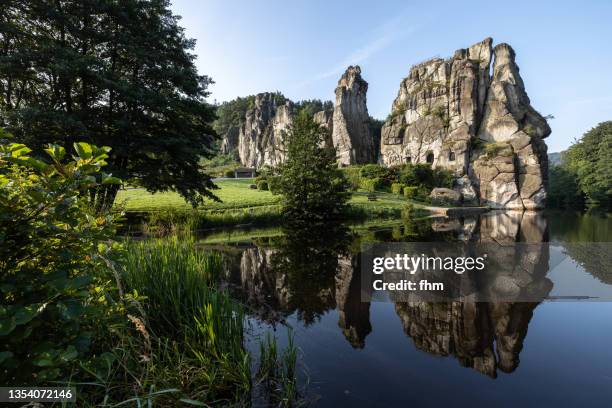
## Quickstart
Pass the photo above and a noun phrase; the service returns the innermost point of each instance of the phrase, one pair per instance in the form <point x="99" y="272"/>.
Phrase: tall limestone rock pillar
<point x="454" y="115"/>
<point x="351" y="134"/>
<point x="517" y="176"/>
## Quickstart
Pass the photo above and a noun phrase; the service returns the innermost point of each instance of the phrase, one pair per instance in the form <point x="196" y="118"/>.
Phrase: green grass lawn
<point x="242" y="205"/>
<point x="234" y="194"/>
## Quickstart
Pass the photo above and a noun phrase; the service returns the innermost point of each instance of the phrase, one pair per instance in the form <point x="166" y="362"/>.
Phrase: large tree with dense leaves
<point x="115" y="73"/>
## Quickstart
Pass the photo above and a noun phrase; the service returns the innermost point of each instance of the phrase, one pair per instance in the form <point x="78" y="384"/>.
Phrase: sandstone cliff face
<point x="229" y="144"/>
<point x="350" y="131"/>
<point x="260" y="140"/>
<point x="453" y="114"/>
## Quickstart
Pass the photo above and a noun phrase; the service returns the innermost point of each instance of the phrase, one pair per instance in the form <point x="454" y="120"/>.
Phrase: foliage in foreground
<point x="204" y="329"/>
<point x="186" y="312"/>
<point x="73" y="309"/>
<point x="54" y="251"/>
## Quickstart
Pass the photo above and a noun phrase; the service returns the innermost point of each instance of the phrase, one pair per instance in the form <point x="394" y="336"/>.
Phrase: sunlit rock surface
<point x="456" y="115"/>
<point x="351" y="134"/>
<point x="261" y="137"/>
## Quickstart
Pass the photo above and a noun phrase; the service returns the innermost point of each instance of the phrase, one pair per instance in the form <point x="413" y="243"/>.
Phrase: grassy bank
<point x="240" y="205"/>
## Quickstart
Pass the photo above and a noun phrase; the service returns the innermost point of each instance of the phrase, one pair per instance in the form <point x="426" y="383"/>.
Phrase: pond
<point x="552" y="352"/>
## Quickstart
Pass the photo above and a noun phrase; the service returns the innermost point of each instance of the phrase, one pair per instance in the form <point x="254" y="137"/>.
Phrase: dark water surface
<point x="380" y="354"/>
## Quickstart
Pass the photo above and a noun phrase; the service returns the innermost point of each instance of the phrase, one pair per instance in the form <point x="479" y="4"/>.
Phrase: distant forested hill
<point x="554" y="159"/>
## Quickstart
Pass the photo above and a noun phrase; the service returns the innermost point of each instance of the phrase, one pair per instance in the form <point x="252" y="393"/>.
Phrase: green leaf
<point x="36" y="164"/>
<point x="18" y="150"/>
<point x="69" y="354"/>
<point x="84" y="150"/>
<point x="7" y="325"/>
<point x="48" y="374"/>
<point x="5" y="135"/>
<point x="25" y="314"/>
<point x="56" y="152"/>
<point x="42" y="362"/>
<point x="111" y="180"/>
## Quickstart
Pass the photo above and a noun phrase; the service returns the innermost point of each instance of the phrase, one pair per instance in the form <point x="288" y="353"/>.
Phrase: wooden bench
<point x="372" y="197"/>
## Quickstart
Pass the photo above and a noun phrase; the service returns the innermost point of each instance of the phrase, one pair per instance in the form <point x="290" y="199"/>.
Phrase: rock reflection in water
<point x="311" y="272"/>
<point x="486" y="336"/>
<point x="469" y="331"/>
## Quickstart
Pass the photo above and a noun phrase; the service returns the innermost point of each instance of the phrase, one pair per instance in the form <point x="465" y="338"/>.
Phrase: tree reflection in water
<point x="310" y="271"/>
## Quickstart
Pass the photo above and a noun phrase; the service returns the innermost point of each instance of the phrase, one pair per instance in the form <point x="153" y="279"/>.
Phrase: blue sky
<point x="564" y="49"/>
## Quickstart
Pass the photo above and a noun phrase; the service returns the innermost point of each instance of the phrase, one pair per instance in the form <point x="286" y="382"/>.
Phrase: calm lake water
<point x="378" y="354"/>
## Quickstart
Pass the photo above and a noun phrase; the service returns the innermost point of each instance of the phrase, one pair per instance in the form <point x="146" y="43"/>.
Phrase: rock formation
<point x="260" y="140"/>
<point x="488" y="336"/>
<point x="455" y="115"/>
<point x="325" y="118"/>
<point x="484" y="336"/>
<point x="350" y="132"/>
<point x="229" y="144"/>
<point x="469" y="114"/>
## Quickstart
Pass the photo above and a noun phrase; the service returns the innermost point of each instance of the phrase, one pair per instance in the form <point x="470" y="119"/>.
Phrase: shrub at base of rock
<point x="397" y="188"/>
<point x="445" y="196"/>
<point x="371" y="185"/>
<point x="410" y="192"/>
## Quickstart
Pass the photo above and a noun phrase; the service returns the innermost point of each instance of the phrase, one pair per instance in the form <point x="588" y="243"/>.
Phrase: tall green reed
<point x="183" y="305"/>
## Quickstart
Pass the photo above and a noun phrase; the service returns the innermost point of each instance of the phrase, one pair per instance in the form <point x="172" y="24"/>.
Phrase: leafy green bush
<point x="229" y="173"/>
<point x="274" y="184"/>
<point x="352" y="174"/>
<point x="372" y="171"/>
<point x="262" y="185"/>
<point x="416" y="174"/>
<point x="425" y="178"/>
<point x="422" y="194"/>
<point x="54" y="254"/>
<point x="371" y="184"/>
<point x="443" y="178"/>
<point x="397" y="188"/>
<point x="410" y="192"/>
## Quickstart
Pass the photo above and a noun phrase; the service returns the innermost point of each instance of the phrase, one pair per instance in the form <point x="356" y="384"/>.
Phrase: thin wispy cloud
<point x="392" y="30"/>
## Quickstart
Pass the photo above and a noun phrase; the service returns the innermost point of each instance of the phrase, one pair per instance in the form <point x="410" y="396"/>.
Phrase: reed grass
<point x="186" y="347"/>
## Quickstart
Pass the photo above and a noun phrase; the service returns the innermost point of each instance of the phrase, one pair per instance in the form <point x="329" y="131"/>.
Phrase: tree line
<point x="584" y="176"/>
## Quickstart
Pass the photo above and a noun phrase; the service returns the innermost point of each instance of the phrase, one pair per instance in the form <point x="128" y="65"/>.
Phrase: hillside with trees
<point x="584" y="177"/>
